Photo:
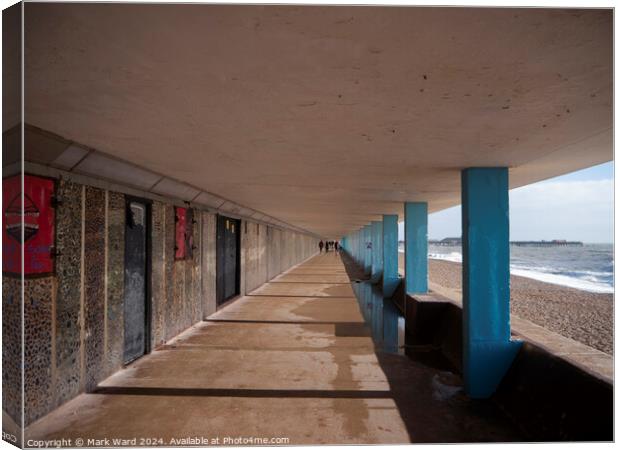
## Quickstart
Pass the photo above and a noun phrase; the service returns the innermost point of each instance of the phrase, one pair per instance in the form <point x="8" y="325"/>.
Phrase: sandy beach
<point x="583" y="316"/>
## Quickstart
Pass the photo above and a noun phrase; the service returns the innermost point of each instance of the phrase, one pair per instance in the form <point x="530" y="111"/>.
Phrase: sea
<point x="589" y="268"/>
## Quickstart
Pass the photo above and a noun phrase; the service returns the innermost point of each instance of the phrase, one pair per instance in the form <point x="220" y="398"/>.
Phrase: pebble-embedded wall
<point x="38" y="318"/>
<point x="11" y="347"/>
<point x="68" y="291"/>
<point x="94" y="285"/>
<point x="115" y="281"/>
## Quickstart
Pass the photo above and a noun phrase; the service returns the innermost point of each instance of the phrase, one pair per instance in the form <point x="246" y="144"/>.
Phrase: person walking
<point x="336" y="246"/>
<point x="326" y="246"/>
<point x="321" y="246"/>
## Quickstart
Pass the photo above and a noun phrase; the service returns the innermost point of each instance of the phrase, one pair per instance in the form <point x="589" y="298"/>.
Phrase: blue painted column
<point x="367" y="248"/>
<point x="390" y="254"/>
<point x="488" y="351"/>
<point x="390" y="326"/>
<point x="351" y="243"/>
<point x="360" y="241"/>
<point x="416" y="247"/>
<point x="377" y="253"/>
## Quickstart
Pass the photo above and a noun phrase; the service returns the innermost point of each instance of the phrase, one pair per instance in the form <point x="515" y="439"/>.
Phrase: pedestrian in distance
<point x="321" y="246"/>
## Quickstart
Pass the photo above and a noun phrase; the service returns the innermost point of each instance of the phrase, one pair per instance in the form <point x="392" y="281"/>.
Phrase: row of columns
<point x="488" y="350"/>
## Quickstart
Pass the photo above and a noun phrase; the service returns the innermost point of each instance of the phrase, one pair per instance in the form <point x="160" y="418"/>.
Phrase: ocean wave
<point x="453" y="256"/>
<point x="585" y="274"/>
<point x="584" y="284"/>
<point x="585" y="280"/>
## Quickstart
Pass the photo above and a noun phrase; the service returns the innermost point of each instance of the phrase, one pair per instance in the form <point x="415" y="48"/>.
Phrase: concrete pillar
<point x="358" y="247"/>
<point x="390" y="326"/>
<point x="416" y="247"/>
<point x="390" y="254"/>
<point x="488" y="351"/>
<point x="377" y="251"/>
<point x="360" y="242"/>
<point x="351" y="244"/>
<point x="367" y="248"/>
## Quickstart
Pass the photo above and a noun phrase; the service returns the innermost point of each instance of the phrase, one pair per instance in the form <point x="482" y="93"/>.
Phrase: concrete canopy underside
<point x="325" y="117"/>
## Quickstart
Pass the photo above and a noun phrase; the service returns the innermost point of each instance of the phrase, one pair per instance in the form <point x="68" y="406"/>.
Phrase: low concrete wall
<point x="550" y="397"/>
<point x="554" y="400"/>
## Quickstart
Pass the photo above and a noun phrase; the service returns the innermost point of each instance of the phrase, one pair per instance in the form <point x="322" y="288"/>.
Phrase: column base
<point x="389" y="286"/>
<point x="485" y="364"/>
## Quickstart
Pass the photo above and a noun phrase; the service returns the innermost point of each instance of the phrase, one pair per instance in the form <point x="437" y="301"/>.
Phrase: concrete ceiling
<point x="325" y="117"/>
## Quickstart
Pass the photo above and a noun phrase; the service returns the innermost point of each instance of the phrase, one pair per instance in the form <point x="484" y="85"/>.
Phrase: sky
<point x="577" y="206"/>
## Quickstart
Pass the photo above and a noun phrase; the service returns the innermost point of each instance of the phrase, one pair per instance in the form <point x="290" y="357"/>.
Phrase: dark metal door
<point x="135" y="280"/>
<point x="227" y="258"/>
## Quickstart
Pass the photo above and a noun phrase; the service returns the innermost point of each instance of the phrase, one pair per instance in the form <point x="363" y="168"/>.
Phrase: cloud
<point x="572" y="210"/>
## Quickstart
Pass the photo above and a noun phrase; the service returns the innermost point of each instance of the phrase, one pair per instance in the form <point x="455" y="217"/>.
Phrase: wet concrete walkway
<point x="292" y="360"/>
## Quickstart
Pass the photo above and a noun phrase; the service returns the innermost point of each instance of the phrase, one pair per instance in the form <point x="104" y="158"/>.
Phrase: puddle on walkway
<point x="384" y="321"/>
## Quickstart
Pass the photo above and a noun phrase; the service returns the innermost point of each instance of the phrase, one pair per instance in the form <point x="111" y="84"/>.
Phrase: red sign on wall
<point x="189" y="235"/>
<point x="181" y="215"/>
<point x="38" y="220"/>
<point x="184" y="243"/>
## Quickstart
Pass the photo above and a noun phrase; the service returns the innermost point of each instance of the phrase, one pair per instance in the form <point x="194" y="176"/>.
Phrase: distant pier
<point x="554" y="243"/>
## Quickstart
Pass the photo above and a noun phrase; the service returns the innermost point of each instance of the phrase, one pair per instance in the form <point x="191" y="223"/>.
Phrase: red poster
<point x="181" y="218"/>
<point x="38" y="218"/>
<point x="189" y="238"/>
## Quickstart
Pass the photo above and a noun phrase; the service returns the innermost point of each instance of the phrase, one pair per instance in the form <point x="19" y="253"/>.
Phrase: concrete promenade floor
<point x="291" y="360"/>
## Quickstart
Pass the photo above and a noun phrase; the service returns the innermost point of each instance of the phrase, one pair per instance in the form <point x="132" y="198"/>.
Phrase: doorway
<point x="137" y="279"/>
<point x="228" y="256"/>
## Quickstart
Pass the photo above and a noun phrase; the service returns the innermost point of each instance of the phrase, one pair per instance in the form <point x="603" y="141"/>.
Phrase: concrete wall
<point x="175" y="284"/>
<point x="11" y="347"/>
<point x="74" y="319"/>
<point x="208" y="263"/>
<point x="269" y="251"/>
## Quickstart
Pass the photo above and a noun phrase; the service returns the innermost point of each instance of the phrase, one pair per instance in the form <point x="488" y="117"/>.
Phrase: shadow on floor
<point x="341" y="329"/>
<point x="241" y="393"/>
